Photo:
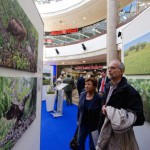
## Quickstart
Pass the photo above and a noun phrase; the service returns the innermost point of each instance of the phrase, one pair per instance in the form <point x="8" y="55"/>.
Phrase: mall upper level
<point x="70" y="40"/>
<point x="74" y="35"/>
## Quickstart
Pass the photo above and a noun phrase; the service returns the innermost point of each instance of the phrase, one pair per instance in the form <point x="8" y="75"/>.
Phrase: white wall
<point x="74" y="49"/>
<point x="30" y="140"/>
<point x="137" y="27"/>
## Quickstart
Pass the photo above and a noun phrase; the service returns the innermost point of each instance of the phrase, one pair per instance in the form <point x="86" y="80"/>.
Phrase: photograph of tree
<point x="137" y="56"/>
<point x="18" y="38"/>
<point x="17" y="108"/>
<point x="143" y="87"/>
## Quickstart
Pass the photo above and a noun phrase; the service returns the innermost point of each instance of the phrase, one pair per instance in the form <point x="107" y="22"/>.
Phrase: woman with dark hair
<point x="88" y="113"/>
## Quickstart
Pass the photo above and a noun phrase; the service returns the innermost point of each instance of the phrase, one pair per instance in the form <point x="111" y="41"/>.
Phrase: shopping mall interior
<point x="43" y="40"/>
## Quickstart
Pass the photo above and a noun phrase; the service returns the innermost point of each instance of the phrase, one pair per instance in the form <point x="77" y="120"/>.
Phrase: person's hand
<point x="104" y="110"/>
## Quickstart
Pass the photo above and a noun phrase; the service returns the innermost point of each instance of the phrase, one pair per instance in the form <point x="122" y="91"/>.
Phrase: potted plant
<point x="50" y="98"/>
<point x="46" y="83"/>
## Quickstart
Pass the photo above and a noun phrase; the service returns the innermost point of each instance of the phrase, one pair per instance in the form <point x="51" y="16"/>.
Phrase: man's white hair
<point x="121" y="65"/>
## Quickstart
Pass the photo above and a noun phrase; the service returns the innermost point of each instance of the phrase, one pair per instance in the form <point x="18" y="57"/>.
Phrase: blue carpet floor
<point x="56" y="133"/>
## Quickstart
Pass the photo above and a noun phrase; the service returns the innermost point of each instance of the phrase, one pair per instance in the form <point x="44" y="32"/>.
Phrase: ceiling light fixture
<point x="119" y="34"/>
<point x="83" y="46"/>
<point x="57" y="51"/>
<point x="84" y="18"/>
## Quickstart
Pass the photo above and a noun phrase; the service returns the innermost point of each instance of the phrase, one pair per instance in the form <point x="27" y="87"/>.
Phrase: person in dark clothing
<point x="102" y="81"/>
<point x="88" y="113"/>
<point x="120" y="95"/>
<point x="68" y="89"/>
<point x="80" y="84"/>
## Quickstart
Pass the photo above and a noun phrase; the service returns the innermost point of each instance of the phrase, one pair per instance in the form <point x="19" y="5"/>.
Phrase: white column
<point x="112" y="20"/>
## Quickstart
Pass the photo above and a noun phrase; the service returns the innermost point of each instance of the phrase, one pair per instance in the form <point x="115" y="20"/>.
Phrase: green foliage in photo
<point x="18" y="38"/>
<point x="46" y="81"/>
<point x="143" y="87"/>
<point x="20" y="92"/>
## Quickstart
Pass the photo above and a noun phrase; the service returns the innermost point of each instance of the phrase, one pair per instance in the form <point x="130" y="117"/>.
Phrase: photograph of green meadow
<point x="137" y="56"/>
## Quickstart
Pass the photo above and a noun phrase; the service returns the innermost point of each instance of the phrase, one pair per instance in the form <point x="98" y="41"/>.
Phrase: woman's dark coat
<point x="94" y="110"/>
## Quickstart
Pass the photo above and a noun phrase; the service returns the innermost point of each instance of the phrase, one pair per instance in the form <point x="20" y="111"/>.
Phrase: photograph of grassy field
<point x="137" y="56"/>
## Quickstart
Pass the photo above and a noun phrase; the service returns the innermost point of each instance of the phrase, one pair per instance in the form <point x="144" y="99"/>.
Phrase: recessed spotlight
<point x="84" y="18"/>
<point x="83" y="61"/>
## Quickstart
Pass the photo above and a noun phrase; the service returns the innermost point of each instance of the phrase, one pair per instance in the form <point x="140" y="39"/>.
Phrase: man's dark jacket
<point x="126" y="97"/>
<point x="80" y="84"/>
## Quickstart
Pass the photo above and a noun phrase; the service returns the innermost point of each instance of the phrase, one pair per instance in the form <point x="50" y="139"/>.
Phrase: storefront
<point x="85" y="69"/>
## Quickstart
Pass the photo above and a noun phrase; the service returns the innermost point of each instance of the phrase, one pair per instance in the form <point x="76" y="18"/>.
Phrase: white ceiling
<point x="93" y="10"/>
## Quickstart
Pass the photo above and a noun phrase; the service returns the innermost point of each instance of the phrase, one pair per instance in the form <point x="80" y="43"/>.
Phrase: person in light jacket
<point x="88" y="113"/>
<point x="120" y="95"/>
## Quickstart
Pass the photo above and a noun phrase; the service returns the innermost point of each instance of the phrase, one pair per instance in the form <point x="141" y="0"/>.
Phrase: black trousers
<point x="68" y="97"/>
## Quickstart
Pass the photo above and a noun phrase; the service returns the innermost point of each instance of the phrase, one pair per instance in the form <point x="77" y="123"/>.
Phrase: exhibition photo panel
<point x="18" y="38"/>
<point x="17" y="108"/>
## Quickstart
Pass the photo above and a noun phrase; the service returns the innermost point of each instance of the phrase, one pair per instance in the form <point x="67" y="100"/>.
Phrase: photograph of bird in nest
<point x="18" y="38"/>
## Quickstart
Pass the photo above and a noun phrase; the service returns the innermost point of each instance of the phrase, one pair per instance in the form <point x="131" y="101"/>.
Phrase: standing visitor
<point x="88" y="113"/>
<point x="68" y="89"/>
<point x="80" y="84"/>
<point x="102" y="81"/>
<point x="122" y="110"/>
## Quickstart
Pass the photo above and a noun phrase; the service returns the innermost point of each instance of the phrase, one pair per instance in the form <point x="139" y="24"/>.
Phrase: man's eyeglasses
<point x="112" y="68"/>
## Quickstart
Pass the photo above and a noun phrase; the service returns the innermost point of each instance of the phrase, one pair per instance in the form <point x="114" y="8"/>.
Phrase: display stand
<point x="59" y="97"/>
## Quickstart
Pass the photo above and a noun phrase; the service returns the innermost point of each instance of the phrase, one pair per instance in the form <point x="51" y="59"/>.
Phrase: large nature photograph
<point x="17" y="108"/>
<point x="143" y="87"/>
<point x="18" y="38"/>
<point x="137" y="56"/>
